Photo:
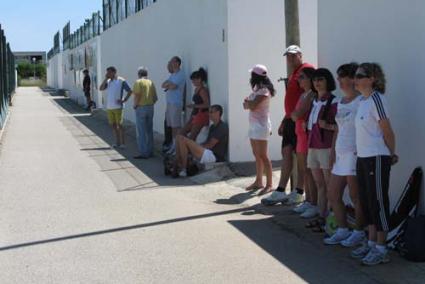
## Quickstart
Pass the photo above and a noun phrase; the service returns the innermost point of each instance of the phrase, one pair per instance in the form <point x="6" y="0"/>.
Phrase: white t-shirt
<point x="345" y="119"/>
<point x="369" y="136"/>
<point x="260" y="116"/>
<point x="114" y="92"/>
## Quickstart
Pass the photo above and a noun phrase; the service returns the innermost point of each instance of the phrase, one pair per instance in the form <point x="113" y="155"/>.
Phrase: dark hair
<point x="330" y="81"/>
<point x="375" y="70"/>
<point x="85" y="71"/>
<point x="262" y="82"/>
<point x="112" y="69"/>
<point x="309" y="72"/>
<point x="347" y="70"/>
<point x="178" y="59"/>
<point x="218" y="108"/>
<point x="200" y="74"/>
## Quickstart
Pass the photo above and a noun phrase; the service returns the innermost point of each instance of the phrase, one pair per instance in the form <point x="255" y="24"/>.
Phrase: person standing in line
<point x="376" y="145"/>
<point x="258" y="104"/>
<point x="87" y="89"/>
<point x="200" y="107"/>
<point x="145" y="98"/>
<point x="115" y="87"/>
<point x="300" y="117"/>
<point x="175" y="88"/>
<point x="168" y="131"/>
<point x="344" y="159"/>
<point x="321" y="127"/>
<point x="287" y="130"/>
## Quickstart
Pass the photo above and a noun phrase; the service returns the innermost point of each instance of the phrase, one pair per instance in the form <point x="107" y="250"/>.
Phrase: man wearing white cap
<point x="287" y="129"/>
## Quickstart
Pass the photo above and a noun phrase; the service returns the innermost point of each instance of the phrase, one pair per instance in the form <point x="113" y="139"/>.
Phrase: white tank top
<point x="345" y="118"/>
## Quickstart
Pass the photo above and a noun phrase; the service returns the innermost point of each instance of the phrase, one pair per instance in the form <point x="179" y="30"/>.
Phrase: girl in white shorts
<point x="344" y="159"/>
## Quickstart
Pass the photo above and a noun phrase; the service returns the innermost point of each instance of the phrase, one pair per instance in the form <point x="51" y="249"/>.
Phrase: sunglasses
<point x="319" y="79"/>
<point x="361" y="76"/>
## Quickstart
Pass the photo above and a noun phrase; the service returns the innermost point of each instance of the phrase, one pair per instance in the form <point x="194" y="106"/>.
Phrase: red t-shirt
<point x="294" y="91"/>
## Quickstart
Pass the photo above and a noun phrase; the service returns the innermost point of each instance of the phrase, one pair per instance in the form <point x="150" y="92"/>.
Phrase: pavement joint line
<point x="3" y="129"/>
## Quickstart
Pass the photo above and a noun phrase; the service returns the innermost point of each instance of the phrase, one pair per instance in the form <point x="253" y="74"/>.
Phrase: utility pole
<point x="292" y="26"/>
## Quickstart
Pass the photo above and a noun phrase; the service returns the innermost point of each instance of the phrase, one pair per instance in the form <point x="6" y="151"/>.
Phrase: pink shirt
<point x="261" y="114"/>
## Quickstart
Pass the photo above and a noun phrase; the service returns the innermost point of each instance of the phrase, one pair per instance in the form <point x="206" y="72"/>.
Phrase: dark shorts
<point x="373" y="174"/>
<point x="289" y="138"/>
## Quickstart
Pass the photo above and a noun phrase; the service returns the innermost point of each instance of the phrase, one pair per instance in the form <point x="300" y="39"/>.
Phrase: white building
<point x="227" y="37"/>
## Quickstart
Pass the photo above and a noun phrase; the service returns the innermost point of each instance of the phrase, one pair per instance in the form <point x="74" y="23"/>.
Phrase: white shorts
<point x="318" y="159"/>
<point x="259" y="132"/>
<point x="345" y="164"/>
<point x="208" y="157"/>
<point x="173" y="116"/>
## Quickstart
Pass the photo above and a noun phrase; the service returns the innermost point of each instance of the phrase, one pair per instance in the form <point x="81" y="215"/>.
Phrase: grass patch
<point x="32" y="83"/>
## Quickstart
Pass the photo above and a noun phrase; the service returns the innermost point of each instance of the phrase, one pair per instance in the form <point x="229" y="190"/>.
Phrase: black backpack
<point x="412" y="245"/>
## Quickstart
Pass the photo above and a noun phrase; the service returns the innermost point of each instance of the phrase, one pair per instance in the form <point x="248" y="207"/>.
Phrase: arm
<point x="155" y="96"/>
<point x="389" y="137"/>
<point x="332" y="157"/>
<point x="169" y="85"/>
<point x="304" y="108"/>
<point x="210" y="143"/>
<point x="251" y="105"/>
<point x="104" y="84"/>
<point x="127" y="88"/>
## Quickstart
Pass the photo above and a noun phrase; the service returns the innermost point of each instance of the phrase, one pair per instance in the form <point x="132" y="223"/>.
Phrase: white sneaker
<point x="355" y="239"/>
<point x="302" y="207"/>
<point x="183" y="173"/>
<point x="171" y="150"/>
<point x="338" y="237"/>
<point x="294" y="198"/>
<point x="375" y="257"/>
<point x="311" y="212"/>
<point x="361" y="251"/>
<point x="274" y="198"/>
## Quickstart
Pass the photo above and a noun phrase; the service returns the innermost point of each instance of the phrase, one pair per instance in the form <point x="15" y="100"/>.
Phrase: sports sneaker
<point x="361" y="251"/>
<point x="375" y="257"/>
<point x="311" y="212"/>
<point x="338" y="237"/>
<point x="355" y="239"/>
<point x="171" y="150"/>
<point x="294" y="198"/>
<point x="183" y="173"/>
<point x="274" y="198"/>
<point x="302" y="207"/>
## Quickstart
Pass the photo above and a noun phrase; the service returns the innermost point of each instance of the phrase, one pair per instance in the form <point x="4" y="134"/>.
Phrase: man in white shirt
<point x="114" y="87"/>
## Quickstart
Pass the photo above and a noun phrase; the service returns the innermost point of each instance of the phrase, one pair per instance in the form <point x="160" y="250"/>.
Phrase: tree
<point x="292" y="25"/>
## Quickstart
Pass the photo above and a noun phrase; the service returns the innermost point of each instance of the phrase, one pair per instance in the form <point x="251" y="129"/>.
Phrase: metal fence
<point x="7" y="76"/>
<point x="114" y="11"/>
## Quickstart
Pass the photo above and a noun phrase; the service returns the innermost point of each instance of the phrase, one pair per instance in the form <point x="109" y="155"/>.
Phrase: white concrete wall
<point x="191" y="29"/>
<point x="227" y="37"/>
<point x="257" y="36"/>
<point x="389" y="32"/>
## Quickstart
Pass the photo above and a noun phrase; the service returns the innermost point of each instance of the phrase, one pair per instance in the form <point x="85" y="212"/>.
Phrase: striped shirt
<point x="369" y="136"/>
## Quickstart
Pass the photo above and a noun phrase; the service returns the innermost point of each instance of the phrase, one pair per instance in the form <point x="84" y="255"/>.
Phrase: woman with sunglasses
<point x="344" y="159"/>
<point x="321" y="127"/>
<point x="308" y="208"/>
<point x="258" y="104"/>
<point x="375" y="141"/>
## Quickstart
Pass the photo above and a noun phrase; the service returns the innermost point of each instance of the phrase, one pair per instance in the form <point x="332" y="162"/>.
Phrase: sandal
<point x="265" y="190"/>
<point x="254" y="187"/>
<point x="313" y="223"/>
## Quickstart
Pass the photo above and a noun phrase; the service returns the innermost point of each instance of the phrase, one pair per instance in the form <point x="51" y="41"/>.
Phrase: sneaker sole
<point x="266" y="202"/>
<point x="373" y="264"/>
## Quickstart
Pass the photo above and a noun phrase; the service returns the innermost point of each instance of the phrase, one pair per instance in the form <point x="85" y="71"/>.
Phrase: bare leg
<point x="335" y="192"/>
<point x="321" y="188"/>
<point x="259" y="166"/>
<point x="311" y="187"/>
<point x="286" y="167"/>
<point x="116" y="133"/>
<point x="301" y="168"/>
<point x="195" y="130"/>
<point x="121" y="132"/>
<point x="262" y="151"/>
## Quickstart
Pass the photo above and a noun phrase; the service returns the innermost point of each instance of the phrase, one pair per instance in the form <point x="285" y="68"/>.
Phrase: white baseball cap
<point x="292" y="49"/>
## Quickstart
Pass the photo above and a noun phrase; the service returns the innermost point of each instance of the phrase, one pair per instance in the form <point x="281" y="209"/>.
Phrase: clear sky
<point x="31" y="24"/>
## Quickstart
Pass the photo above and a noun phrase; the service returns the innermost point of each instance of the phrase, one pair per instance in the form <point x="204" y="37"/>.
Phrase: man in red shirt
<point x="287" y="129"/>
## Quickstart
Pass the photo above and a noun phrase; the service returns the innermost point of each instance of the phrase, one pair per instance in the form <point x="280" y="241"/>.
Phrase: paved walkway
<point x="74" y="211"/>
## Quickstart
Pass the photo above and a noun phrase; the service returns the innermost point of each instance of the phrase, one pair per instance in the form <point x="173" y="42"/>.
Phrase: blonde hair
<point x="375" y="70"/>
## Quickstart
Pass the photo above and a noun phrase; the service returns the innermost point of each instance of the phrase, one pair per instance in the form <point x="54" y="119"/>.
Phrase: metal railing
<point x="114" y="11"/>
<point x="7" y="77"/>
